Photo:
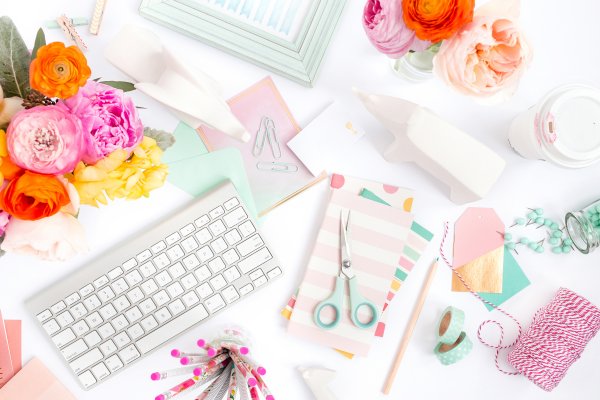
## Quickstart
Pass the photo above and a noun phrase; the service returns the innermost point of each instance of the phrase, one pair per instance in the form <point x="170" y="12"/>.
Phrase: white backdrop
<point x="564" y="37"/>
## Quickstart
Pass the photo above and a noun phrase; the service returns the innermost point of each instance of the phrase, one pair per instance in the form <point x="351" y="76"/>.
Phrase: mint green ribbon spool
<point x="450" y="325"/>
<point x="449" y="354"/>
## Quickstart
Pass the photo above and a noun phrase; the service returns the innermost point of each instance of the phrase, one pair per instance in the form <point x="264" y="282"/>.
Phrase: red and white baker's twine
<point x="555" y="339"/>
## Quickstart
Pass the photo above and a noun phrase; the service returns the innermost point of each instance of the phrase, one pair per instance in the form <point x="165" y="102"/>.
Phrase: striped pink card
<point x="379" y="233"/>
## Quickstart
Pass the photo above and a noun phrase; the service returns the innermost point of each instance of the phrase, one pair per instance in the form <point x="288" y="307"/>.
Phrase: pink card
<point x="13" y="333"/>
<point x="6" y="364"/>
<point x="35" y="382"/>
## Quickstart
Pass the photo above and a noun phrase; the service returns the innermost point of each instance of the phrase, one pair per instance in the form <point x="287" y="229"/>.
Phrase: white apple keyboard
<point x="137" y="297"/>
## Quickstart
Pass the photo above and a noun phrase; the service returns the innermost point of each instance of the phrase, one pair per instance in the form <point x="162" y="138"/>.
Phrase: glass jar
<point x="416" y="66"/>
<point x="583" y="227"/>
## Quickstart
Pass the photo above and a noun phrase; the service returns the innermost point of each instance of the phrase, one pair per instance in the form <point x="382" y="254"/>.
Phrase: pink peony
<point x="4" y="219"/>
<point x="385" y="28"/>
<point x="45" y="139"/>
<point x="485" y="59"/>
<point x="109" y="118"/>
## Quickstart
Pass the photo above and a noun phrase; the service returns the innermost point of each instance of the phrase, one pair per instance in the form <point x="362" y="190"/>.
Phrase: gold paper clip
<point x="273" y="166"/>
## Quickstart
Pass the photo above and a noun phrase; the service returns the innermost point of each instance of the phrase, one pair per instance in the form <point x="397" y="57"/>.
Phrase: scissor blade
<point x="345" y="237"/>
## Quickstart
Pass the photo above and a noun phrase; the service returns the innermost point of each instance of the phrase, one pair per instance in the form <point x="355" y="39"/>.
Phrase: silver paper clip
<point x="273" y="166"/>
<point x="266" y="130"/>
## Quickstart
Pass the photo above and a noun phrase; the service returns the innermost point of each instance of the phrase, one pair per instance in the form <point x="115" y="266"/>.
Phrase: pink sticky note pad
<point x="477" y="231"/>
<point x="35" y="382"/>
<point x="13" y="333"/>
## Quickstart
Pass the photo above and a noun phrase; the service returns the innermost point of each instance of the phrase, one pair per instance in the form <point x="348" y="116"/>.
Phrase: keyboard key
<point x="81" y="328"/>
<point x="247" y="228"/>
<point x="205" y="254"/>
<point x="149" y="287"/>
<point x="186" y="230"/>
<point x="106" y="330"/>
<point x="190" y="299"/>
<point x="162" y="315"/>
<point x="86" y="360"/>
<point x="161" y="298"/>
<point x="108" y="348"/>
<point x="189" y="281"/>
<point x="113" y="363"/>
<point x="203" y="236"/>
<point x="92" y="339"/>
<point x="217" y="227"/>
<point x="175" y="253"/>
<point x="58" y="307"/>
<point x="191" y="262"/>
<point x="148" y="269"/>
<point x="231" y="203"/>
<point x="251" y="244"/>
<point x="176" y="307"/>
<point x="63" y="338"/>
<point x="135" y="331"/>
<point x="218" y="245"/>
<point x="115" y="273"/>
<point x="161" y="261"/>
<point x="174" y="327"/>
<point x="87" y="289"/>
<point x="133" y="278"/>
<point x="72" y="298"/>
<point x="93" y="320"/>
<point x="216" y="265"/>
<point x="216" y="213"/>
<point x="173" y="238"/>
<point x="255" y="260"/>
<point x="163" y="279"/>
<point x="64" y="319"/>
<point x="144" y="256"/>
<point x="129" y="264"/>
<point x="231" y="256"/>
<point x="135" y="295"/>
<point x="120" y="286"/>
<point x="274" y="272"/>
<point x="204" y="290"/>
<point x="203" y="220"/>
<point x="128" y="354"/>
<point x="44" y="315"/>
<point x="214" y="303"/>
<point x="256" y="274"/>
<point x="218" y="282"/>
<point x="202" y="273"/>
<point x="120" y="323"/>
<point x="235" y="217"/>
<point x="133" y="314"/>
<point x="100" y="371"/>
<point x="260" y="281"/>
<point x="232" y="274"/>
<point x="158" y="247"/>
<point x="177" y="270"/>
<point x="103" y="280"/>
<point x="232" y="237"/>
<point x="147" y="306"/>
<point x="189" y="244"/>
<point x="122" y="339"/>
<point x="149" y="323"/>
<point x="92" y="302"/>
<point x="108" y="311"/>
<point x="73" y="350"/>
<point x="87" y="379"/>
<point x="230" y="294"/>
<point x="246" y="289"/>
<point x="106" y="294"/>
<point x="78" y="310"/>
<point x="175" y="290"/>
<point x="121" y="303"/>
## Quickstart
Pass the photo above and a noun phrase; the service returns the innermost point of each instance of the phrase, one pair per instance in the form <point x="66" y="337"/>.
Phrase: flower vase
<point x="416" y="66"/>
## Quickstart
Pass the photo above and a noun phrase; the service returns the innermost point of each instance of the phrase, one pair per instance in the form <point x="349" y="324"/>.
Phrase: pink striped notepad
<point x="378" y="236"/>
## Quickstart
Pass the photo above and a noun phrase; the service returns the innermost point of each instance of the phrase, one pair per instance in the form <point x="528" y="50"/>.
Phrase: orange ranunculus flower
<point x="33" y="196"/>
<point x="58" y="71"/>
<point x="436" y="20"/>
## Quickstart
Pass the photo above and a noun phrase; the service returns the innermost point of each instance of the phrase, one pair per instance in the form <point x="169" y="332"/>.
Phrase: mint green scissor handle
<point x="336" y="301"/>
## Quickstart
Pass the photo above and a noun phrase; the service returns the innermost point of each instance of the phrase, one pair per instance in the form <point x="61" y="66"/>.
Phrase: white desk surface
<point x="564" y="37"/>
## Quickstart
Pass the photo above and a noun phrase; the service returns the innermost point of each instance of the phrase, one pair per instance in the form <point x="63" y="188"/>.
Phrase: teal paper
<point x="513" y="281"/>
<point x="187" y="144"/>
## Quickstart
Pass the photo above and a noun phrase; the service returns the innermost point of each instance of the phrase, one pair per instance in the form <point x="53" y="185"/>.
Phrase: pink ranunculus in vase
<point x="486" y="59"/>
<point x="45" y="139"/>
<point x="109" y="118"/>
<point x="385" y="28"/>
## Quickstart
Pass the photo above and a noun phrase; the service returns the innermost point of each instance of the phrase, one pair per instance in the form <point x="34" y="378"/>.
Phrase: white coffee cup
<point x="563" y="127"/>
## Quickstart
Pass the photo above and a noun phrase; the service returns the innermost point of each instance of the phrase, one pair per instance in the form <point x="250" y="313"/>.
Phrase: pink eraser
<point x="185" y="361"/>
<point x="211" y="352"/>
<point x="261" y="371"/>
<point x="270" y="397"/>
<point x="175" y="353"/>
<point x="155" y="376"/>
<point x="201" y="342"/>
<point x="244" y="350"/>
<point x="252" y="382"/>
<point x="197" y="371"/>
<point x="160" y="397"/>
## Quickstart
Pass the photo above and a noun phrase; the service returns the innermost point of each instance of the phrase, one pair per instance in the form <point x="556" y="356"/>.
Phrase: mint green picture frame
<point x="298" y="59"/>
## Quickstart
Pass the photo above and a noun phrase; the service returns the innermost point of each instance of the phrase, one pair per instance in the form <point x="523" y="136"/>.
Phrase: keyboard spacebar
<point x="171" y="329"/>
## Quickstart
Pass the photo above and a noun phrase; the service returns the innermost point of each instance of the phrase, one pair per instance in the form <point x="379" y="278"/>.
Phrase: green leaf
<point x="96" y="80"/>
<point x="14" y="60"/>
<point x="40" y="40"/>
<point x="164" y="139"/>
<point x="124" y="86"/>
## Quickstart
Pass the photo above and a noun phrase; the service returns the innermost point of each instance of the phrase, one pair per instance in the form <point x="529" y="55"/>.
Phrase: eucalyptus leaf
<point x="40" y="40"/>
<point x="124" y="86"/>
<point x="14" y="60"/>
<point x="164" y="139"/>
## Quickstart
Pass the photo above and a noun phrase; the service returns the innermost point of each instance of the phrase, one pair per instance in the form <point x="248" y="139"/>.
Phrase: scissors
<point x="336" y="300"/>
